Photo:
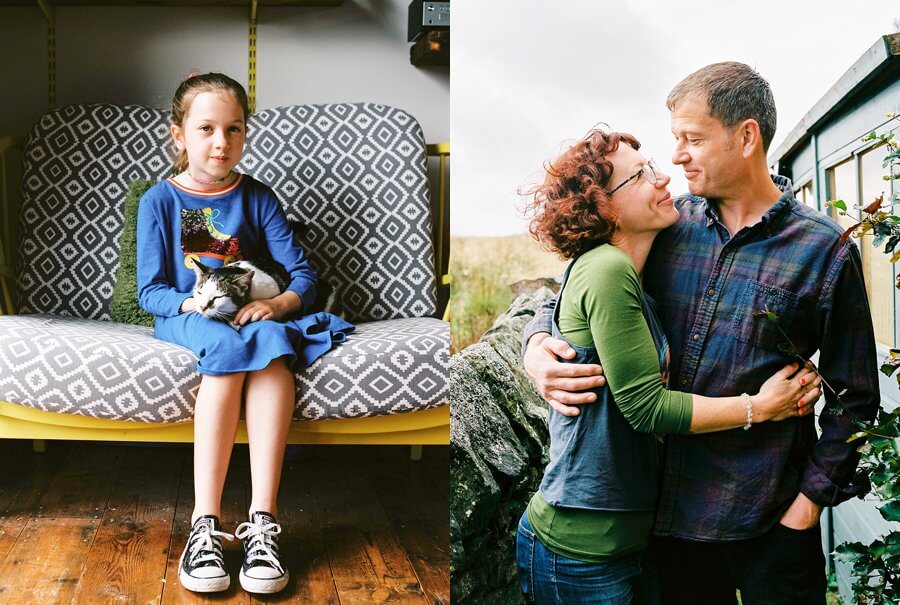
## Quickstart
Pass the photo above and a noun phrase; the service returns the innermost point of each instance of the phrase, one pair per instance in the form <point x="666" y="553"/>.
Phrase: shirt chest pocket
<point x="795" y="323"/>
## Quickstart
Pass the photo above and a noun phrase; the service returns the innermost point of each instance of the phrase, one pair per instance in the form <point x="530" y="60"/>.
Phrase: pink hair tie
<point x="193" y="74"/>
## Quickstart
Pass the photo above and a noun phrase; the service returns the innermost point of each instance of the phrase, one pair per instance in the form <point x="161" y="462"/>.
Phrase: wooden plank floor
<point x="106" y="523"/>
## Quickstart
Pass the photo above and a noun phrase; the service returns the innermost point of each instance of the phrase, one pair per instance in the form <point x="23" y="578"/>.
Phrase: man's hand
<point x="802" y="514"/>
<point x="561" y="384"/>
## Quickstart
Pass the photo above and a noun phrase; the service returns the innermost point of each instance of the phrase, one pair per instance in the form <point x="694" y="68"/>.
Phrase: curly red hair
<point x="571" y="209"/>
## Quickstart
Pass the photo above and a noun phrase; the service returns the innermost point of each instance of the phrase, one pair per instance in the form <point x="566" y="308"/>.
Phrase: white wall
<point x="138" y="54"/>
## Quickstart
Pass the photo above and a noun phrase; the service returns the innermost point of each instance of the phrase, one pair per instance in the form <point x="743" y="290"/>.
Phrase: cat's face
<point x="220" y="293"/>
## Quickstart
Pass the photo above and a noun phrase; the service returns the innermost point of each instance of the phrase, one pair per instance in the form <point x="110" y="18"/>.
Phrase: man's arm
<point x="539" y="324"/>
<point x="847" y="361"/>
<point x="561" y="384"/>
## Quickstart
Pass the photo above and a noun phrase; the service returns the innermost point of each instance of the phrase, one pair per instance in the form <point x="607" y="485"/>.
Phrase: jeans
<point x="547" y="578"/>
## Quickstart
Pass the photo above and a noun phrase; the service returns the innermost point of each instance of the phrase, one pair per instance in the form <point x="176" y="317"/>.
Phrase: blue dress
<point x="176" y="224"/>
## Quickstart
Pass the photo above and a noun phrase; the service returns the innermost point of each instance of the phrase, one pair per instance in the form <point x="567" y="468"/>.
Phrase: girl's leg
<point x="270" y="396"/>
<point x="216" y="415"/>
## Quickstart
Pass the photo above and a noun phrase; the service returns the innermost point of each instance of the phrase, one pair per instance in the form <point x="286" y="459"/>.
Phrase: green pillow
<point x="124" y="307"/>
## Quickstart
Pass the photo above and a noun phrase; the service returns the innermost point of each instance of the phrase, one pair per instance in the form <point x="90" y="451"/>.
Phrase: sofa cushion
<point x="120" y="371"/>
<point x="353" y="174"/>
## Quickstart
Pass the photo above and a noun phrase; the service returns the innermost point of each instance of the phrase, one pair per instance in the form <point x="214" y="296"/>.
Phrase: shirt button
<point x="711" y="292"/>
<point x="696" y="337"/>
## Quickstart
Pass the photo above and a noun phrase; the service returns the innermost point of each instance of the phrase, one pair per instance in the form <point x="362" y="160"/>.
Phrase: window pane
<point x="842" y="181"/>
<point x="805" y="195"/>
<point x="877" y="267"/>
<point x="809" y="197"/>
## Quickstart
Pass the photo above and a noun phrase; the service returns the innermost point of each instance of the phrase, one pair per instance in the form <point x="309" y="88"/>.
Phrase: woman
<point x="583" y="537"/>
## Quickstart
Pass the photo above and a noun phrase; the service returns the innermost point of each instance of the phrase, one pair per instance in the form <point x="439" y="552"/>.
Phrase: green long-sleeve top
<point x="601" y="307"/>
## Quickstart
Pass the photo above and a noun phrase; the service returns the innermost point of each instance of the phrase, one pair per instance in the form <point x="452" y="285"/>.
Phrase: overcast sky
<point x="529" y="75"/>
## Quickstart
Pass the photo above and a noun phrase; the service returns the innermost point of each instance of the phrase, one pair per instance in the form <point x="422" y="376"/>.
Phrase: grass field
<point x="482" y="269"/>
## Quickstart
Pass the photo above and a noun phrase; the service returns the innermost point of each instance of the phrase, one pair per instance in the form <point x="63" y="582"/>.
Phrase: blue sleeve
<point x="848" y="362"/>
<point x="155" y="295"/>
<point x="541" y="322"/>
<point x="280" y="241"/>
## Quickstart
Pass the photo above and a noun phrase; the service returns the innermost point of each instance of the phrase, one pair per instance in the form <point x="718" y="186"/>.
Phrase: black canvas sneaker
<point x="202" y="565"/>
<point x="262" y="571"/>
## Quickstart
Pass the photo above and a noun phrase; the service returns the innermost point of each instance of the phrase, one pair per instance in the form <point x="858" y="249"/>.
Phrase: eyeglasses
<point x="648" y="171"/>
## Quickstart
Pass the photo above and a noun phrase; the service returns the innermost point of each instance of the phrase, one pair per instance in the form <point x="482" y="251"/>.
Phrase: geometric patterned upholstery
<point x="119" y="371"/>
<point x="353" y="174"/>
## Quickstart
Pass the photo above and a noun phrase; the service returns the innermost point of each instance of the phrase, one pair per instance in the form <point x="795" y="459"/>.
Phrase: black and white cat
<point x="220" y="293"/>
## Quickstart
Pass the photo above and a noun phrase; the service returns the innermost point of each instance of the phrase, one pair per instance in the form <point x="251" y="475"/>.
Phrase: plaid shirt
<point x="735" y="484"/>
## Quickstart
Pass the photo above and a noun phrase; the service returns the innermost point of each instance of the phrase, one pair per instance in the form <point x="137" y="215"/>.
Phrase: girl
<point x="583" y="535"/>
<point x="208" y="210"/>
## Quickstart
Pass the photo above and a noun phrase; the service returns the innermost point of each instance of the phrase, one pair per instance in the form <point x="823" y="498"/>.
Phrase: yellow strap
<point x="251" y="79"/>
<point x="442" y="151"/>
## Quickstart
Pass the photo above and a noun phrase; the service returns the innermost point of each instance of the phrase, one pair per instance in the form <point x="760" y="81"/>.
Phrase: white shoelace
<point x="261" y="538"/>
<point x="202" y="540"/>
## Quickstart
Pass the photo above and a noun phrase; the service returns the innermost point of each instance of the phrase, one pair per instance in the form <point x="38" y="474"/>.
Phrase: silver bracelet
<point x="749" y="402"/>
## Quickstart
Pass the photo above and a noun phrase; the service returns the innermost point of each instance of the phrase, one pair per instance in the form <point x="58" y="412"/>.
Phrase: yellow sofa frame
<point x="424" y="427"/>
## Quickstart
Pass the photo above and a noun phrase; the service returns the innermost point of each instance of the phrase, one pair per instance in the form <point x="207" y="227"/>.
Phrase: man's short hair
<point x="734" y="92"/>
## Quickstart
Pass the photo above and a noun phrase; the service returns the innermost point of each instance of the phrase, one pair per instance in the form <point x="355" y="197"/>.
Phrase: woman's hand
<point x="788" y="393"/>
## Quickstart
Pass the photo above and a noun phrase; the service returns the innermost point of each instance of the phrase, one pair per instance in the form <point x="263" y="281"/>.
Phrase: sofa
<point x="353" y="175"/>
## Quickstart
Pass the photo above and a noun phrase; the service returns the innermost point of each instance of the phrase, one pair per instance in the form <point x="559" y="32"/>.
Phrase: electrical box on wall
<point x="429" y="30"/>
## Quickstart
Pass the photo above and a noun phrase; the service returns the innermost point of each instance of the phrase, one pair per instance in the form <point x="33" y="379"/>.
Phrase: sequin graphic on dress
<point x="200" y="236"/>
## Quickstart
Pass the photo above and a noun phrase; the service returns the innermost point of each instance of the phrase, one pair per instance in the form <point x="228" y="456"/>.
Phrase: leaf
<point x="856" y="436"/>
<point x="874" y="206"/>
<point x="893" y="539"/>
<point x="837" y="204"/>
<point x="880" y="225"/>
<point x="889" y="417"/>
<point x="847" y="233"/>
<point x="848" y="552"/>
<point x="891" y="362"/>
<point x="870" y="137"/>
<point x="891" y="510"/>
<point x="890" y="158"/>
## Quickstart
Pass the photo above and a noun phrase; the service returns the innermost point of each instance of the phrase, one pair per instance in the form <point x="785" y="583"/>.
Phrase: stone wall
<point x="498" y="450"/>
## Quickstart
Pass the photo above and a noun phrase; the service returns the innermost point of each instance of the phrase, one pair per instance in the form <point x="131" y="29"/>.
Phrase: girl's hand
<point x="259" y="310"/>
<point x="788" y="393"/>
<point x="188" y="305"/>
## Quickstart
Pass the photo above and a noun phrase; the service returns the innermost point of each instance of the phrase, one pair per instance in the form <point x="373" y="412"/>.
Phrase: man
<point x="740" y="509"/>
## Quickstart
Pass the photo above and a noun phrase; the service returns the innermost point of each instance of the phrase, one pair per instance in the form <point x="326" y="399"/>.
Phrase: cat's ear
<point x="244" y="280"/>
<point x="199" y="268"/>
